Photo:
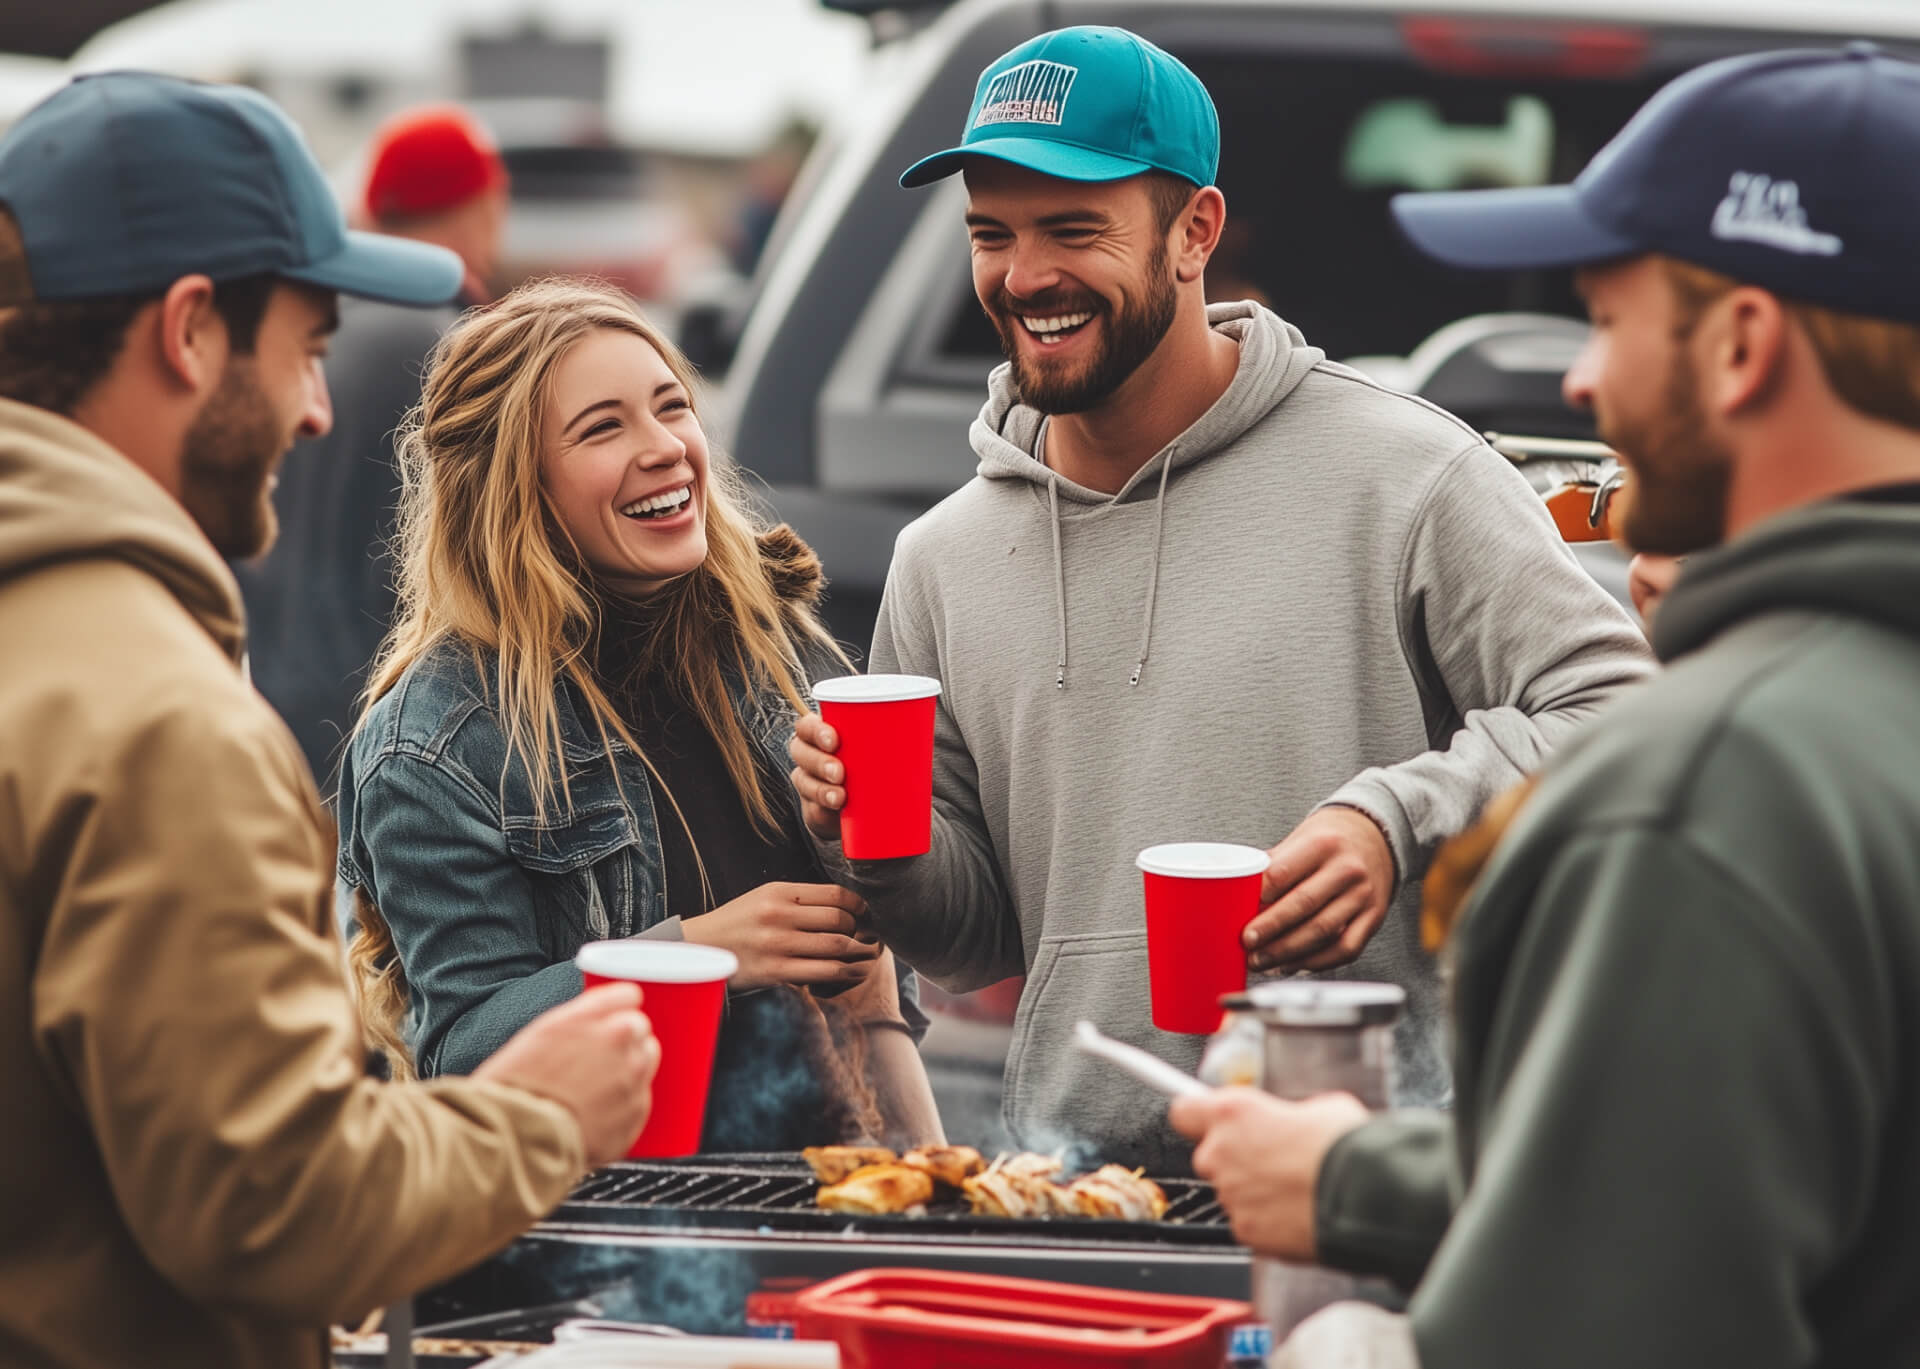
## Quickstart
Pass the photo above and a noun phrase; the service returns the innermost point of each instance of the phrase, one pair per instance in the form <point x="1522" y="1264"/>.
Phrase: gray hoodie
<point x="1321" y="592"/>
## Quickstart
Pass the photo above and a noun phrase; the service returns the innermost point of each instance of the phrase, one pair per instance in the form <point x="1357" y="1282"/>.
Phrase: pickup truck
<point x="863" y="354"/>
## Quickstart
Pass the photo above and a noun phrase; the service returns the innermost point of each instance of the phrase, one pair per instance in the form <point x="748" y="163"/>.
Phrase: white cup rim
<point x="1202" y="860"/>
<point x="647" y="961"/>
<point x="876" y="689"/>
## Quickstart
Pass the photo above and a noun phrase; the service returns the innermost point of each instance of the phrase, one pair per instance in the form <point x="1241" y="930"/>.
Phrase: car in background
<point x="599" y="209"/>
<point x="863" y="354"/>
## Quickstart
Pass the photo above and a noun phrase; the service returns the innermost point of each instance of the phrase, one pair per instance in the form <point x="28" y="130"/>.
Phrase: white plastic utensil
<point x="1150" y="1070"/>
<point x="614" y="1350"/>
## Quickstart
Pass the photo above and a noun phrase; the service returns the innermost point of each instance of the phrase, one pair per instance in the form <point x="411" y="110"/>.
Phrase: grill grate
<point x="776" y="1193"/>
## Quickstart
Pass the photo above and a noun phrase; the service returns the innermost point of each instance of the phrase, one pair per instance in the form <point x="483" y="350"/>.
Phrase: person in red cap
<point x="318" y="605"/>
<point x="436" y="176"/>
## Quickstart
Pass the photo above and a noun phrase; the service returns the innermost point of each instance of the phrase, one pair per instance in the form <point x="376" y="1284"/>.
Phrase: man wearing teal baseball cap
<point x="1207" y="585"/>
<point x="197" y="1169"/>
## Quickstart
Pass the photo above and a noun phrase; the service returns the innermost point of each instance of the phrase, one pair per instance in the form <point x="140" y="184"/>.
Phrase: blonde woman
<point x="576" y="730"/>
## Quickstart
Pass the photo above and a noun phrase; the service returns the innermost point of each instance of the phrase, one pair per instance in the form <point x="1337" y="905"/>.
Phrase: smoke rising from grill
<point x="700" y="1289"/>
<point x="771" y="1088"/>
<point x="1421" y="1076"/>
<point x="1076" y="1152"/>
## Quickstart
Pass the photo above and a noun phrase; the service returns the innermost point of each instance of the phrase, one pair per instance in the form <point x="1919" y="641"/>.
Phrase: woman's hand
<point x="894" y="1068"/>
<point x="818" y="777"/>
<point x="790" y="934"/>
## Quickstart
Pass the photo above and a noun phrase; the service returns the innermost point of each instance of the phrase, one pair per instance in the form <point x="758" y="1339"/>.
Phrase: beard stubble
<point x="1131" y="336"/>
<point x="1680" y="475"/>
<point x="230" y="453"/>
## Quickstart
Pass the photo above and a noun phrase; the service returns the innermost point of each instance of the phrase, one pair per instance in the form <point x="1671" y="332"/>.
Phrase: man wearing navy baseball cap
<point x="1206" y="583"/>
<point x="197" y="1169"/>
<point x="1690" y="1094"/>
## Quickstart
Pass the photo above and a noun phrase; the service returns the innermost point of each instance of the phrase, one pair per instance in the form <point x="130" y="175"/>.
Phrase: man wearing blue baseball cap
<point x="197" y="1169"/>
<point x="1206" y="584"/>
<point x="1689" y="1086"/>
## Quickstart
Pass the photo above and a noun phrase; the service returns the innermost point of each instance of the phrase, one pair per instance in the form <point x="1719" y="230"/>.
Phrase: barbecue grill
<point x="686" y="1242"/>
<point x="776" y="1193"/>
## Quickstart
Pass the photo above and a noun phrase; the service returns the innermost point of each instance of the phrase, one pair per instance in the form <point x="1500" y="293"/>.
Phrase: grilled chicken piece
<point x="1118" y="1194"/>
<point x="950" y="1165"/>
<point x="831" y="1164"/>
<point x="1029" y="1165"/>
<point x="878" y="1190"/>
<point x="1018" y="1186"/>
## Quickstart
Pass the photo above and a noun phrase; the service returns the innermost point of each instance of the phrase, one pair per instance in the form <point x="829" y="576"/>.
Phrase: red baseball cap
<point x="429" y="159"/>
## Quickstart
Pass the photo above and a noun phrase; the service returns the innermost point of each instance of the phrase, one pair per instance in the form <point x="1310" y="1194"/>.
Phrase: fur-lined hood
<point x="792" y="567"/>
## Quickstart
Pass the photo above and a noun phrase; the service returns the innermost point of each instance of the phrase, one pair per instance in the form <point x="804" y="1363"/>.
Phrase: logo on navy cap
<point x="1760" y="209"/>
<point x="1031" y="93"/>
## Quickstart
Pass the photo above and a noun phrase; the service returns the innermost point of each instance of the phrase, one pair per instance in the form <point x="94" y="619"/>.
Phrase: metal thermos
<point x="1316" y="1036"/>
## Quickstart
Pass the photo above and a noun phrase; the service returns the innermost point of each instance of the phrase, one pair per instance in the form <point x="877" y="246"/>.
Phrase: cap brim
<point x="1508" y="229"/>
<point x="1064" y="160"/>
<point x="392" y="269"/>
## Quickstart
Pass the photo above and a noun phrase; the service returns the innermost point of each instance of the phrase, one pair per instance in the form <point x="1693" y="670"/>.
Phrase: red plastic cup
<point x="1200" y="897"/>
<point x="885" y="724"/>
<point x="683" y="988"/>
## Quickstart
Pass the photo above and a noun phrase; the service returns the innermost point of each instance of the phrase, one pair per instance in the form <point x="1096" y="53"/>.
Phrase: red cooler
<point x="925" y="1319"/>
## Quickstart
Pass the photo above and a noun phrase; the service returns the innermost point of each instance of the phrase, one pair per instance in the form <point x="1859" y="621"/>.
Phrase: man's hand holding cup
<point x="1326" y="893"/>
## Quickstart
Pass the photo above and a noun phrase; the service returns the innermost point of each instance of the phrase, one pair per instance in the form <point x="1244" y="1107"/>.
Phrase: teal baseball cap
<point x="123" y="182"/>
<point x="1087" y="104"/>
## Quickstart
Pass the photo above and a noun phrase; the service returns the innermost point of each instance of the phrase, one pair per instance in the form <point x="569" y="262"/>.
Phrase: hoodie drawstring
<point x="1153" y="579"/>
<point x="1059" y="579"/>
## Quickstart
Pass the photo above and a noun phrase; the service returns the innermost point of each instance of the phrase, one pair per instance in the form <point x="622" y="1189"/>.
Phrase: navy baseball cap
<point x="1795" y="171"/>
<point x="123" y="182"/>
<point x="1087" y="104"/>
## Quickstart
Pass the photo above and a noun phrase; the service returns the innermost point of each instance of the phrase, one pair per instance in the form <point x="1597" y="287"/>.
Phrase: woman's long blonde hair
<point x="484" y="561"/>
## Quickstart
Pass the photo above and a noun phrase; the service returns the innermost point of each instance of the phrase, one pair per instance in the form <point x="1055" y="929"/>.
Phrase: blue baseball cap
<point x="1795" y="171"/>
<point x="1087" y="104"/>
<point x="123" y="182"/>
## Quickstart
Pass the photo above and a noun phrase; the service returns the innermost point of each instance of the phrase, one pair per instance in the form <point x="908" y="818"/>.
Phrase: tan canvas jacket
<point x="193" y="1168"/>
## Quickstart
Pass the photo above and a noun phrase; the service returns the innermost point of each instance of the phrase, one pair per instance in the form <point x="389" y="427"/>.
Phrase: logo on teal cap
<point x="1031" y="93"/>
<point x="1087" y="104"/>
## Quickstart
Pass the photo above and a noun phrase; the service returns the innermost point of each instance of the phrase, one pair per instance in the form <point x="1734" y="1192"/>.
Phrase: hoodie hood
<point x="1851" y="557"/>
<point x="67" y="495"/>
<point x="1274" y="357"/>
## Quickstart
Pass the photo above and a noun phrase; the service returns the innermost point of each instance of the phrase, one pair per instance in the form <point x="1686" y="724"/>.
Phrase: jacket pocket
<point x="582" y="886"/>
<point x="563" y="847"/>
<point x="1056" y="1096"/>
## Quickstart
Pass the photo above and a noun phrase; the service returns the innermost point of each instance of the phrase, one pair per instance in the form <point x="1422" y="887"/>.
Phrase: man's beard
<point x="1129" y="338"/>
<point x="226" y="468"/>
<point x="1680" y="476"/>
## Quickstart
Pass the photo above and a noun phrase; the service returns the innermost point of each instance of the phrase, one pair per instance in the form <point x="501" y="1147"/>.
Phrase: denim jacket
<point x="488" y="901"/>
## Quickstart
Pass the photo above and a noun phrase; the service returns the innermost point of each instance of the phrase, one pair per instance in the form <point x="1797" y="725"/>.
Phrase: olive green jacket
<point x="1687" y="1004"/>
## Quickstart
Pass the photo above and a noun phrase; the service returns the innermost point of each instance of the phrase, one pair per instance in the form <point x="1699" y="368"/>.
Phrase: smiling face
<point x="1075" y="276"/>
<point x="624" y="461"/>
<point x="265" y="401"/>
